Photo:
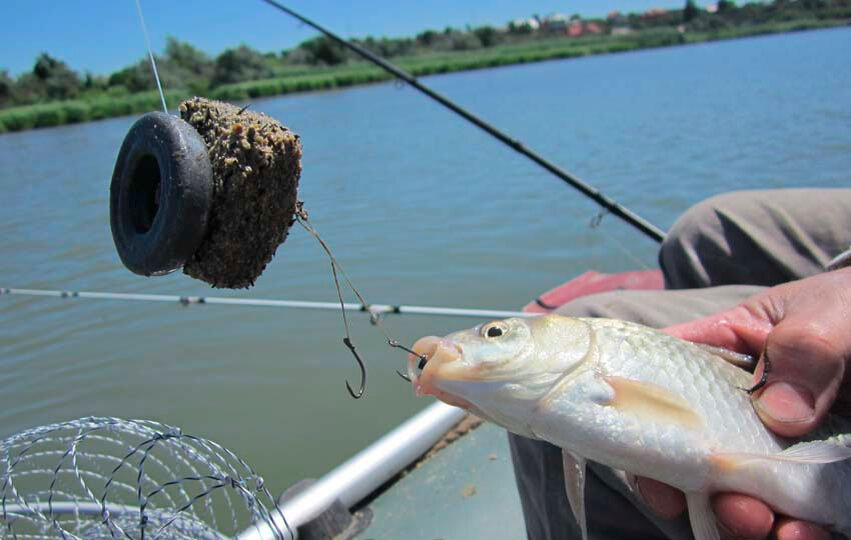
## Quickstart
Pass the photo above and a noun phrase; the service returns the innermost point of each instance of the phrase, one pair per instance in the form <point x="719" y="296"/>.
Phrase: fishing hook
<point x="423" y="357"/>
<point x="359" y="393"/>
<point x="764" y="378"/>
<point x="393" y="343"/>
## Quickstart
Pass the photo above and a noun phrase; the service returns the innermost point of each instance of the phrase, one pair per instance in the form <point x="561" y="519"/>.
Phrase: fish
<point x="640" y="401"/>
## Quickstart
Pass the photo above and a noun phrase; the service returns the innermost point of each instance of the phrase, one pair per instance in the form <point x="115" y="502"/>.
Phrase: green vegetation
<point x="53" y="94"/>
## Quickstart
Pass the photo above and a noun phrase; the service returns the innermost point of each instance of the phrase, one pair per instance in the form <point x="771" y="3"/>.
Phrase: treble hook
<point x="359" y="393"/>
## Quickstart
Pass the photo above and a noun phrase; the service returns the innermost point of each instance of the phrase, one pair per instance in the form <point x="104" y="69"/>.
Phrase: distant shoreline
<point x="77" y="111"/>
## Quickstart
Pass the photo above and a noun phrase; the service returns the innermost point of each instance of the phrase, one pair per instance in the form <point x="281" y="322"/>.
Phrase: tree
<point x="725" y="5"/>
<point x="388" y="48"/>
<point x="188" y="57"/>
<point x="487" y="35"/>
<point x="137" y="77"/>
<point x="191" y="67"/>
<point x="519" y="27"/>
<point x="324" y="50"/>
<point x="7" y="88"/>
<point x="427" y="38"/>
<point x="690" y="11"/>
<point x="57" y="79"/>
<point x="240" y="64"/>
<point x="464" y="41"/>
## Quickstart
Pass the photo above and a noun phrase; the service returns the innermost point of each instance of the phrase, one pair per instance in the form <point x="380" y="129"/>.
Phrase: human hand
<point x="802" y="327"/>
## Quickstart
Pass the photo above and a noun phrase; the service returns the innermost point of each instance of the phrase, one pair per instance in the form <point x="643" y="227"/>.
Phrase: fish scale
<point x="636" y="399"/>
<point x="709" y="384"/>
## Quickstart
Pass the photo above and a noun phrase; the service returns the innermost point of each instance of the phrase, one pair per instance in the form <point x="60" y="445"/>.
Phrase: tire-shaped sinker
<point x="161" y="194"/>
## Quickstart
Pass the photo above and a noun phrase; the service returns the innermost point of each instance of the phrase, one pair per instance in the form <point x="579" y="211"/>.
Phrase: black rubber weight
<point x="160" y="196"/>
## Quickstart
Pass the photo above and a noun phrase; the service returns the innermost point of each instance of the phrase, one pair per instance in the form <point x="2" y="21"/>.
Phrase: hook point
<point x="355" y="395"/>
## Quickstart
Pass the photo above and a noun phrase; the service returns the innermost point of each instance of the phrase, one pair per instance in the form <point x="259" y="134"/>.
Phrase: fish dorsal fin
<point x="652" y="403"/>
<point x="574" y="485"/>
<point x="814" y="452"/>
<point x="701" y="517"/>
<point x="740" y="360"/>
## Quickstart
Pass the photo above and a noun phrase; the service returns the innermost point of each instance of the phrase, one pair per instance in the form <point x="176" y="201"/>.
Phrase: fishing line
<point x="374" y="317"/>
<point x="151" y="55"/>
<point x="588" y="190"/>
<point x="595" y="223"/>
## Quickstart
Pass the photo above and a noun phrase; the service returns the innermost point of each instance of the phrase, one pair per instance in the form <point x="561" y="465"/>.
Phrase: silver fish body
<point x="641" y="401"/>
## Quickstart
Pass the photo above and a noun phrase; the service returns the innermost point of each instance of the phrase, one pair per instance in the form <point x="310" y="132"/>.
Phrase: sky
<point x="102" y="36"/>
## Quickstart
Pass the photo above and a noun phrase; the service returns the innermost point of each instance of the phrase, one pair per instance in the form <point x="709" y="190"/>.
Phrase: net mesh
<point x="108" y="478"/>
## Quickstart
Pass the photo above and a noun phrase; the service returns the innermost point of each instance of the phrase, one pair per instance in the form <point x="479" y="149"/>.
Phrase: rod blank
<point x="644" y="226"/>
<point x="372" y="309"/>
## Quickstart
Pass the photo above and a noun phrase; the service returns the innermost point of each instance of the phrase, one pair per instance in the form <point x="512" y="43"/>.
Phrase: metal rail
<point x="649" y="230"/>
<point x="365" y="472"/>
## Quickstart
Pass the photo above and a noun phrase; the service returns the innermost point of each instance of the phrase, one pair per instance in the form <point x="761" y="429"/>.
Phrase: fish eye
<point x="494" y="330"/>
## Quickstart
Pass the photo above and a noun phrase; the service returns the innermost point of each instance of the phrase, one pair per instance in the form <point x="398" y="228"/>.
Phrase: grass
<point x="74" y="111"/>
<point x="303" y="79"/>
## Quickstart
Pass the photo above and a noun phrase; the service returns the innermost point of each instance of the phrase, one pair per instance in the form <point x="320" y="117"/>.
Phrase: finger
<point x="666" y="501"/>
<point x="806" y="370"/>
<point x="790" y="529"/>
<point x="742" y="517"/>
<point x="739" y="329"/>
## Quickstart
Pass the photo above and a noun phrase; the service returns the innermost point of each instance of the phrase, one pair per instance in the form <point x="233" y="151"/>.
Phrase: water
<point x="419" y="207"/>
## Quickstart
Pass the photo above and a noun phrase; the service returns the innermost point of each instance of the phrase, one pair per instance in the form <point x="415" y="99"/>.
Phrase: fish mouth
<point x="436" y="358"/>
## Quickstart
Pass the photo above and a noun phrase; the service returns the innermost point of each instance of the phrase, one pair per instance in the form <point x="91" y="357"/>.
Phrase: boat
<point x="440" y="474"/>
<point x="443" y="473"/>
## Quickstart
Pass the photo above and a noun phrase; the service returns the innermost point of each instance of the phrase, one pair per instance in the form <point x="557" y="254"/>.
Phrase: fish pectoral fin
<point x="574" y="485"/>
<point x="651" y="402"/>
<point x="818" y="452"/>
<point x="740" y="360"/>
<point x="701" y="517"/>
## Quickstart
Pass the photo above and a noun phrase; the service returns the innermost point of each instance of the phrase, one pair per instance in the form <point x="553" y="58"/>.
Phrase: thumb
<point x="805" y="364"/>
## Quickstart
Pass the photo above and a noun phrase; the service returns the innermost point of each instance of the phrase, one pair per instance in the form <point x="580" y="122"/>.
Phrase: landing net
<point x="108" y="478"/>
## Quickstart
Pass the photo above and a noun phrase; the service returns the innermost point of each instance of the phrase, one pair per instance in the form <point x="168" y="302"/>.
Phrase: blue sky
<point x="104" y="35"/>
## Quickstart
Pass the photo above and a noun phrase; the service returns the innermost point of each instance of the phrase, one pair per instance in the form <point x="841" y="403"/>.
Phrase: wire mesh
<point x="108" y="478"/>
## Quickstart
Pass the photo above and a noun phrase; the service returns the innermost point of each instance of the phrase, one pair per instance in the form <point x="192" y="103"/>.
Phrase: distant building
<point x="593" y="28"/>
<point x="531" y="24"/>
<point x="618" y="23"/>
<point x="654" y="13"/>
<point x="556" y="22"/>
<point x="712" y="8"/>
<point x="575" y="29"/>
<point x="616" y="18"/>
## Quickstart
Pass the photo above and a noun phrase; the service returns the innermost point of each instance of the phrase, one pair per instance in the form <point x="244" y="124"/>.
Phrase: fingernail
<point x="786" y="403"/>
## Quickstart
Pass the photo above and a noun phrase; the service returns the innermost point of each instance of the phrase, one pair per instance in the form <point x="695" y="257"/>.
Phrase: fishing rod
<point x="374" y="310"/>
<point x="609" y="204"/>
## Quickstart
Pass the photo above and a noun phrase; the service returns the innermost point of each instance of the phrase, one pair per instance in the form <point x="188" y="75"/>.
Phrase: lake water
<point x="420" y="208"/>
